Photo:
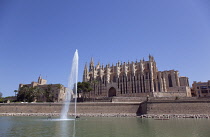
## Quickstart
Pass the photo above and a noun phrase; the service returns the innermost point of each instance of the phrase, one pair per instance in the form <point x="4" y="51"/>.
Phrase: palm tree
<point x="15" y="93"/>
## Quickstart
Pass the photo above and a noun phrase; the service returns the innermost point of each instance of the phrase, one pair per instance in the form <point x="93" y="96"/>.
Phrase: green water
<point x="103" y="127"/>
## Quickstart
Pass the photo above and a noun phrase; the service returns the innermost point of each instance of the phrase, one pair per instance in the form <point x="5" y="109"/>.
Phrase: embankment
<point x="189" y="108"/>
<point x="87" y="109"/>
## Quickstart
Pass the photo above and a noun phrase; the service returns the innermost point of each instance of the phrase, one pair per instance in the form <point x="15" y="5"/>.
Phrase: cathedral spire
<point x="151" y="58"/>
<point x="85" y="73"/>
<point x="91" y="66"/>
<point x="39" y="79"/>
<point x="86" y="67"/>
<point x="112" y="66"/>
<point x="91" y="60"/>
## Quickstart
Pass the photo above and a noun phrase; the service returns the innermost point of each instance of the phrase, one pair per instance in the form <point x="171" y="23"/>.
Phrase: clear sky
<point x="41" y="36"/>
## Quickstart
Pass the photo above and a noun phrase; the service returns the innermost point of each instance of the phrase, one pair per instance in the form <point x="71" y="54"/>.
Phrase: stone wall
<point x="178" y="107"/>
<point x="177" y="98"/>
<point x="170" y="94"/>
<point x="30" y="108"/>
<point x="100" y="108"/>
<point x="128" y="108"/>
<point x="129" y="99"/>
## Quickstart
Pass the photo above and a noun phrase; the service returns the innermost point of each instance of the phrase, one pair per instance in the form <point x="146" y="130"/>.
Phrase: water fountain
<point x="72" y="85"/>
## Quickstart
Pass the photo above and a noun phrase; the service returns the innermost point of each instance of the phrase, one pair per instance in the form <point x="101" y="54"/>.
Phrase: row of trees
<point x="6" y="99"/>
<point x="1" y="99"/>
<point x="30" y="94"/>
<point x="84" y="88"/>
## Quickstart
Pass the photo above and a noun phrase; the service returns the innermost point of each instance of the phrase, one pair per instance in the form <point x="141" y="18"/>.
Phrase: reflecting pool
<point x="102" y="127"/>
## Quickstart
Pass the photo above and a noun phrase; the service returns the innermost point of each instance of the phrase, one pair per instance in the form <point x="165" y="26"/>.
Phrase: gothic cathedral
<point x="135" y="79"/>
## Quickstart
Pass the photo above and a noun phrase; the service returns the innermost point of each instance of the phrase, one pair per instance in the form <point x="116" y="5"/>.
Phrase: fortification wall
<point x="129" y="99"/>
<point x="103" y="108"/>
<point x="170" y="94"/>
<point x="178" y="107"/>
<point x="151" y="107"/>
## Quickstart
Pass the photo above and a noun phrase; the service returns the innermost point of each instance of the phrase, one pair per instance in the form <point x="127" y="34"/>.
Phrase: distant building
<point x="56" y="91"/>
<point x="193" y="93"/>
<point x="135" y="79"/>
<point x="201" y="89"/>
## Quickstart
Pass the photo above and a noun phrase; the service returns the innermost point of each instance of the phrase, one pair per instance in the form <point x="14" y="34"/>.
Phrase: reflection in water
<point x="66" y="128"/>
<point x="103" y="127"/>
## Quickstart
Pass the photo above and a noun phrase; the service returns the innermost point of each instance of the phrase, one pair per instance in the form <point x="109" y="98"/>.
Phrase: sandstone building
<point x="201" y="89"/>
<point x="55" y="91"/>
<point x="135" y="79"/>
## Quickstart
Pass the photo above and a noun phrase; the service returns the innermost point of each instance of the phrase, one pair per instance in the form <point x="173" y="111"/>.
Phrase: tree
<point x="59" y="86"/>
<point x="23" y="93"/>
<point x="1" y="99"/>
<point x="15" y="92"/>
<point x="79" y="87"/>
<point x="48" y="94"/>
<point x="1" y="95"/>
<point x="37" y="93"/>
<point x="84" y="88"/>
<point x="29" y="94"/>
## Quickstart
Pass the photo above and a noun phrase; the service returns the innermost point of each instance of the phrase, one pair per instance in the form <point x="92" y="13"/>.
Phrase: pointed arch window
<point x="170" y="80"/>
<point x="114" y="78"/>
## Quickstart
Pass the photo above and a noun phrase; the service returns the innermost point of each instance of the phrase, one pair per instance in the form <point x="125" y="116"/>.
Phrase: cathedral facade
<point x="134" y="79"/>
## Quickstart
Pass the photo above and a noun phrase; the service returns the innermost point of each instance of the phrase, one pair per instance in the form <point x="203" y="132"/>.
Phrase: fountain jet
<point x="72" y="86"/>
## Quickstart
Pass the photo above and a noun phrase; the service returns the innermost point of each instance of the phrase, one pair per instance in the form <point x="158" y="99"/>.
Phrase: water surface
<point x="103" y="127"/>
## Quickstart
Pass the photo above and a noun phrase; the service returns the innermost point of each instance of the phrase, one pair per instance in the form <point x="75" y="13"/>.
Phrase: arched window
<point x="147" y="65"/>
<point x="128" y="77"/>
<point x="154" y="86"/>
<point x="159" y="86"/>
<point x="146" y="75"/>
<point x="114" y="78"/>
<point x="103" y="79"/>
<point x="170" y="80"/>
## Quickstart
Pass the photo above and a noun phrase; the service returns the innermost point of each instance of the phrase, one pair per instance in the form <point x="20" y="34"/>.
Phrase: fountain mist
<point x="72" y="85"/>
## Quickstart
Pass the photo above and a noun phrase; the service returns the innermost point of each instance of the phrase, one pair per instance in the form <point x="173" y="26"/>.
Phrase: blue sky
<point x="41" y="36"/>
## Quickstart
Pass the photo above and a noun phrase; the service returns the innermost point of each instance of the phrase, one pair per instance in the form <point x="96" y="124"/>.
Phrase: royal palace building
<point x="134" y="79"/>
<point x="55" y="91"/>
<point x="201" y="89"/>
